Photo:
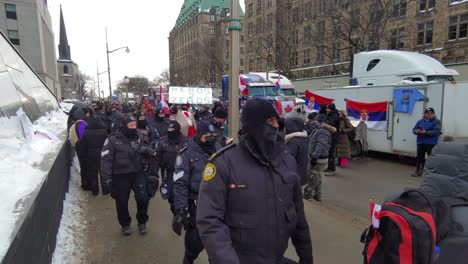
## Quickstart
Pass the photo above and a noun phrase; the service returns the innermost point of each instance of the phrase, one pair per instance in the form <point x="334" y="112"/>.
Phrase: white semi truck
<point x="378" y="73"/>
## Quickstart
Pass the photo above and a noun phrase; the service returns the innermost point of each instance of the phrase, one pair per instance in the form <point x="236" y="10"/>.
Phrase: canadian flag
<point x="242" y="87"/>
<point x="375" y="213"/>
<point x="284" y="107"/>
<point x="162" y="102"/>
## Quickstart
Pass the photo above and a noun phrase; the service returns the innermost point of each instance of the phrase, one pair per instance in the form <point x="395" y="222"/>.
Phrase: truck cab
<point x="390" y="67"/>
<point x="286" y="86"/>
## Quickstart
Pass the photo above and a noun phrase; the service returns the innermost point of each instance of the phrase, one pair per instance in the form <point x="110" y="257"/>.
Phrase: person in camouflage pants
<point x="319" y="147"/>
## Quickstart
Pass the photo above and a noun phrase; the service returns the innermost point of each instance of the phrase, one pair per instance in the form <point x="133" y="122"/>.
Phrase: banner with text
<point x="191" y="95"/>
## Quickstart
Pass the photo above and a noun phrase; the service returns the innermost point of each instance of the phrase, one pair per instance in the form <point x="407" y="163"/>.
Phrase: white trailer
<point x="407" y="70"/>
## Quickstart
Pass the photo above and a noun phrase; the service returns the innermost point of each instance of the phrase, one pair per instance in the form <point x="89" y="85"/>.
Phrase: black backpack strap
<point x="423" y="194"/>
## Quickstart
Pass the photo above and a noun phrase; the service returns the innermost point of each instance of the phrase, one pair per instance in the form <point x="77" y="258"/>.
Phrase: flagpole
<point x="234" y="28"/>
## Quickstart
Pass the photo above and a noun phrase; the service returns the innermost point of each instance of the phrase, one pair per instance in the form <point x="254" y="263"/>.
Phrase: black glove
<point x="106" y="188"/>
<point x="146" y="151"/>
<point x="313" y="162"/>
<point x="180" y="219"/>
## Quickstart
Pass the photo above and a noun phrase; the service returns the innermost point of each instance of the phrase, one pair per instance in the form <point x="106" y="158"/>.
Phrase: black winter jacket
<point x="166" y="154"/>
<point x="248" y="209"/>
<point x="298" y="145"/>
<point x="92" y="142"/>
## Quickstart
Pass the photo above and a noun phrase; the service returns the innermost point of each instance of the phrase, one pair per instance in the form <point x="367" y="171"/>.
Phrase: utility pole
<point x="108" y="69"/>
<point x="98" y="84"/>
<point x="234" y="28"/>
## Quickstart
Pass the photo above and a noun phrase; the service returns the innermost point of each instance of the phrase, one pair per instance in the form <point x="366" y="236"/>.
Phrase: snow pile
<point x="23" y="149"/>
<point x="71" y="235"/>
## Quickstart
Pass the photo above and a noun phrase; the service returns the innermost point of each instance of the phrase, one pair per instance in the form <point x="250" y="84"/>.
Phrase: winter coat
<point x="206" y="115"/>
<point x="298" y="144"/>
<point x="432" y="128"/>
<point x="160" y="126"/>
<point x="320" y="141"/>
<point x="91" y="144"/>
<point x="166" y="154"/>
<point x="333" y="119"/>
<point x="343" y="147"/>
<point x="244" y="219"/>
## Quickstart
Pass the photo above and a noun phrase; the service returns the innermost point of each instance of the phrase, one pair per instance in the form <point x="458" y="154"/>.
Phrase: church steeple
<point x="64" y="48"/>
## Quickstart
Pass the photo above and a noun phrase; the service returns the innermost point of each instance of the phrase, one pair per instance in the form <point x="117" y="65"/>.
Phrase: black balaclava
<point x="141" y="124"/>
<point x="127" y="132"/>
<point x="157" y="118"/>
<point x="205" y="127"/>
<point x="174" y="135"/>
<point x="260" y="135"/>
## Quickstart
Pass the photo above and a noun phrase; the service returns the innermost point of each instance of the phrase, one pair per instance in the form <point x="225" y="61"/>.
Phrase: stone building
<point x="199" y="44"/>
<point x="313" y="38"/>
<point x="69" y="74"/>
<point x="28" y="25"/>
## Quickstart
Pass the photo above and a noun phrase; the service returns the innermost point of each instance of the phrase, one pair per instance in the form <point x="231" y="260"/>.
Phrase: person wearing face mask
<point x="250" y="200"/>
<point x="160" y="123"/>
<point x="167" y="150"/>
<point x="187" y="177"/>
<point x="146" y="129"/>
<point x="122" y="170"/>
<point x="218" y="120"/>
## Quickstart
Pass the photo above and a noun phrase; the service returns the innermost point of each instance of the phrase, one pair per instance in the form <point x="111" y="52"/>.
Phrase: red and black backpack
<point x="408" y="230"/>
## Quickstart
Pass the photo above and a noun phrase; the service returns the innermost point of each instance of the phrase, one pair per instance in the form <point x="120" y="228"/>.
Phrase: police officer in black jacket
<point x="218" y="120"/>
<point x="188" y="175"/>
<point x="250" y="200"/>
<point x="124" y="159"/>
<point x="167" y="150"/>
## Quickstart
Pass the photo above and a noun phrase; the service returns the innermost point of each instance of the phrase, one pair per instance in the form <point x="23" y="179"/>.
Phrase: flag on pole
<point x="313" y="101"/>
<point x="277" y="83"/>
<point x="162" y="102"/>
<point x="373" y="114"/>
<point x="242" y="87"/>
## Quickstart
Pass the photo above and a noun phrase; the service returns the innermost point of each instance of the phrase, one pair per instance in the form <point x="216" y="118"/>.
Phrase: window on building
<point x="458" y="27"/>
<point x="321" y="29"/>
<point x="269" y="3"/>
<point x="295" y="58"/>
<point x="308" y="10"/>
<point x="250" y="28"/>
<point x="10" y="11"/>
<point x="270" y="21"/>
<point x="241" y="62"/>
<point x="250" y="10"/>
<point x="241" y="50"/>
<point x="242" y="38"/>
<point x="307" y="34"/>
<point x="251" y="47"/>
<point x="295" y="15"/>
<point x="320" y="56"/>
<point x="212" y="18"/>
<point x="259" y="6"/>
<point x="355" y="20"/>
<point x="425" y="33"/>
<point x="259" y="64"/>
<point x="322" y="6"/>
<point x="399" y="8"/>
<point x="212" y="31"/>
<point x="65" y="69"/>
<point x="396" y="38"/>
<point x="259" y="26"/>
<point x="14" y="36"/>
<point x="426" y="5"/>
<point x="336" y="54"/>
<point x="306" y="56"/>
<point x="295" y="37"/>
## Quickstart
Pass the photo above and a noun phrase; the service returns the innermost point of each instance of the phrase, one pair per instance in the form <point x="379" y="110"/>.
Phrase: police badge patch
<point x="209" y="172"/>
<point x="179" y="161"/>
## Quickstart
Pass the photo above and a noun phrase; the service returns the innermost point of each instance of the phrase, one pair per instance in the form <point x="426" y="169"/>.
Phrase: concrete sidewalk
<point x="336" y="223"/>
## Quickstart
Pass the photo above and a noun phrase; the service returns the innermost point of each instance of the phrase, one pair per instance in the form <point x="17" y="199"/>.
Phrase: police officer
<point x="167" y="150"/>
<point x="250" y="200"/>
<point x="218" y="120"/>
<point x="123" y="164"/>
<point x="188" y="175"/>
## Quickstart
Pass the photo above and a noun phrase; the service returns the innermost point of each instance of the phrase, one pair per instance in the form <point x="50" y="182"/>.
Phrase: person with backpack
<point x="333" y="120"/>
<point x="319" y="147"/>
<point x="75" y="136"/>
<point x="343" y="146"/>
<point x="428" y="132"/>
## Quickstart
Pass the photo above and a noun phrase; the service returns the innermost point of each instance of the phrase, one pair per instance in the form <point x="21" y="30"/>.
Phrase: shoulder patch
<point x="183" y="149"/>
<point x="221" y="151"/>
<point x="209" y="172"/>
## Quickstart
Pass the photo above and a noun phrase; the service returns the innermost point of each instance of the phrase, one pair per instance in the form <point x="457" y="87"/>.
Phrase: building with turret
<point x="68" y="71"/>
<point x="199" y="43"/>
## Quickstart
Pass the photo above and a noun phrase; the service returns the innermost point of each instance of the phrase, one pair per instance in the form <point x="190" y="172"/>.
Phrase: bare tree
<point x="83" y="78"/>
<point x="210" y="63"/>
<point x="164" y="78"/>
<point x="138" y="85"/>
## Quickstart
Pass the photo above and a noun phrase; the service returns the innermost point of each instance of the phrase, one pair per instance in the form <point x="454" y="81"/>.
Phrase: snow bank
<point x="71" y="235"/>
<point x="24" y="146"/>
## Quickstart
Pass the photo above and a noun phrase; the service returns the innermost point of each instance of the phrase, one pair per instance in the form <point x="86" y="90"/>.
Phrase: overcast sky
<point x="142" y="25"/>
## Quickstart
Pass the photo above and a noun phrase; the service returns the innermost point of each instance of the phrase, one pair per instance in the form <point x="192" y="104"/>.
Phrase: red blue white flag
<point x="313" y="101"/>
<point x="373" y="114"/>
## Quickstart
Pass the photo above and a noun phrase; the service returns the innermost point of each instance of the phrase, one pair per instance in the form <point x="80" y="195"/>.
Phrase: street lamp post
<point x="234" y="28"/>
<point x="108" y="63"/>
<point x="99" y="82"/>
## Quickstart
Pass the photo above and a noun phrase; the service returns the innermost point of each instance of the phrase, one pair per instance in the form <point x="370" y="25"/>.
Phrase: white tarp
<point x="191" y="95"/>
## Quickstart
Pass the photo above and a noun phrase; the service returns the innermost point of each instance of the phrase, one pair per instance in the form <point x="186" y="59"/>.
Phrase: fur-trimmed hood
<point x="295" y="134"/>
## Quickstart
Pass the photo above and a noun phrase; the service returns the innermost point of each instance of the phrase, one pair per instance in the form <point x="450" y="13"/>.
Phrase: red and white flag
<point x="242" y="87"/>
<point x="284" y="107"/>
<point x="162" y="102"/>
<point x="375" y="213"/>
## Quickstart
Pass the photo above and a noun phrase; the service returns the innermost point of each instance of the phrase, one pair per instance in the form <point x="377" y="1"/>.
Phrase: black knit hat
<point x="294" y="124"/>
<point x="204" y="127"/>
<point x="255" y="113"/>
<point x="220" y="113"/>
<point x="175" y="125"/>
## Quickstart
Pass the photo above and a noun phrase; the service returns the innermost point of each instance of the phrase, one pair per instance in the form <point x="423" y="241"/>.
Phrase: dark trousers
<point x="121" y="186"/>
<point x="332" y="157"/>
<point x="422" y="149"/>
<point x="193" y="243"/>
<point x="82" y="161"/>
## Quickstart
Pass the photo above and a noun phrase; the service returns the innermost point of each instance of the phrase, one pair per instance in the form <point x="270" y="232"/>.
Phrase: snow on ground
<point x="71" y="235"/>
<point x="22" y="166"/>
